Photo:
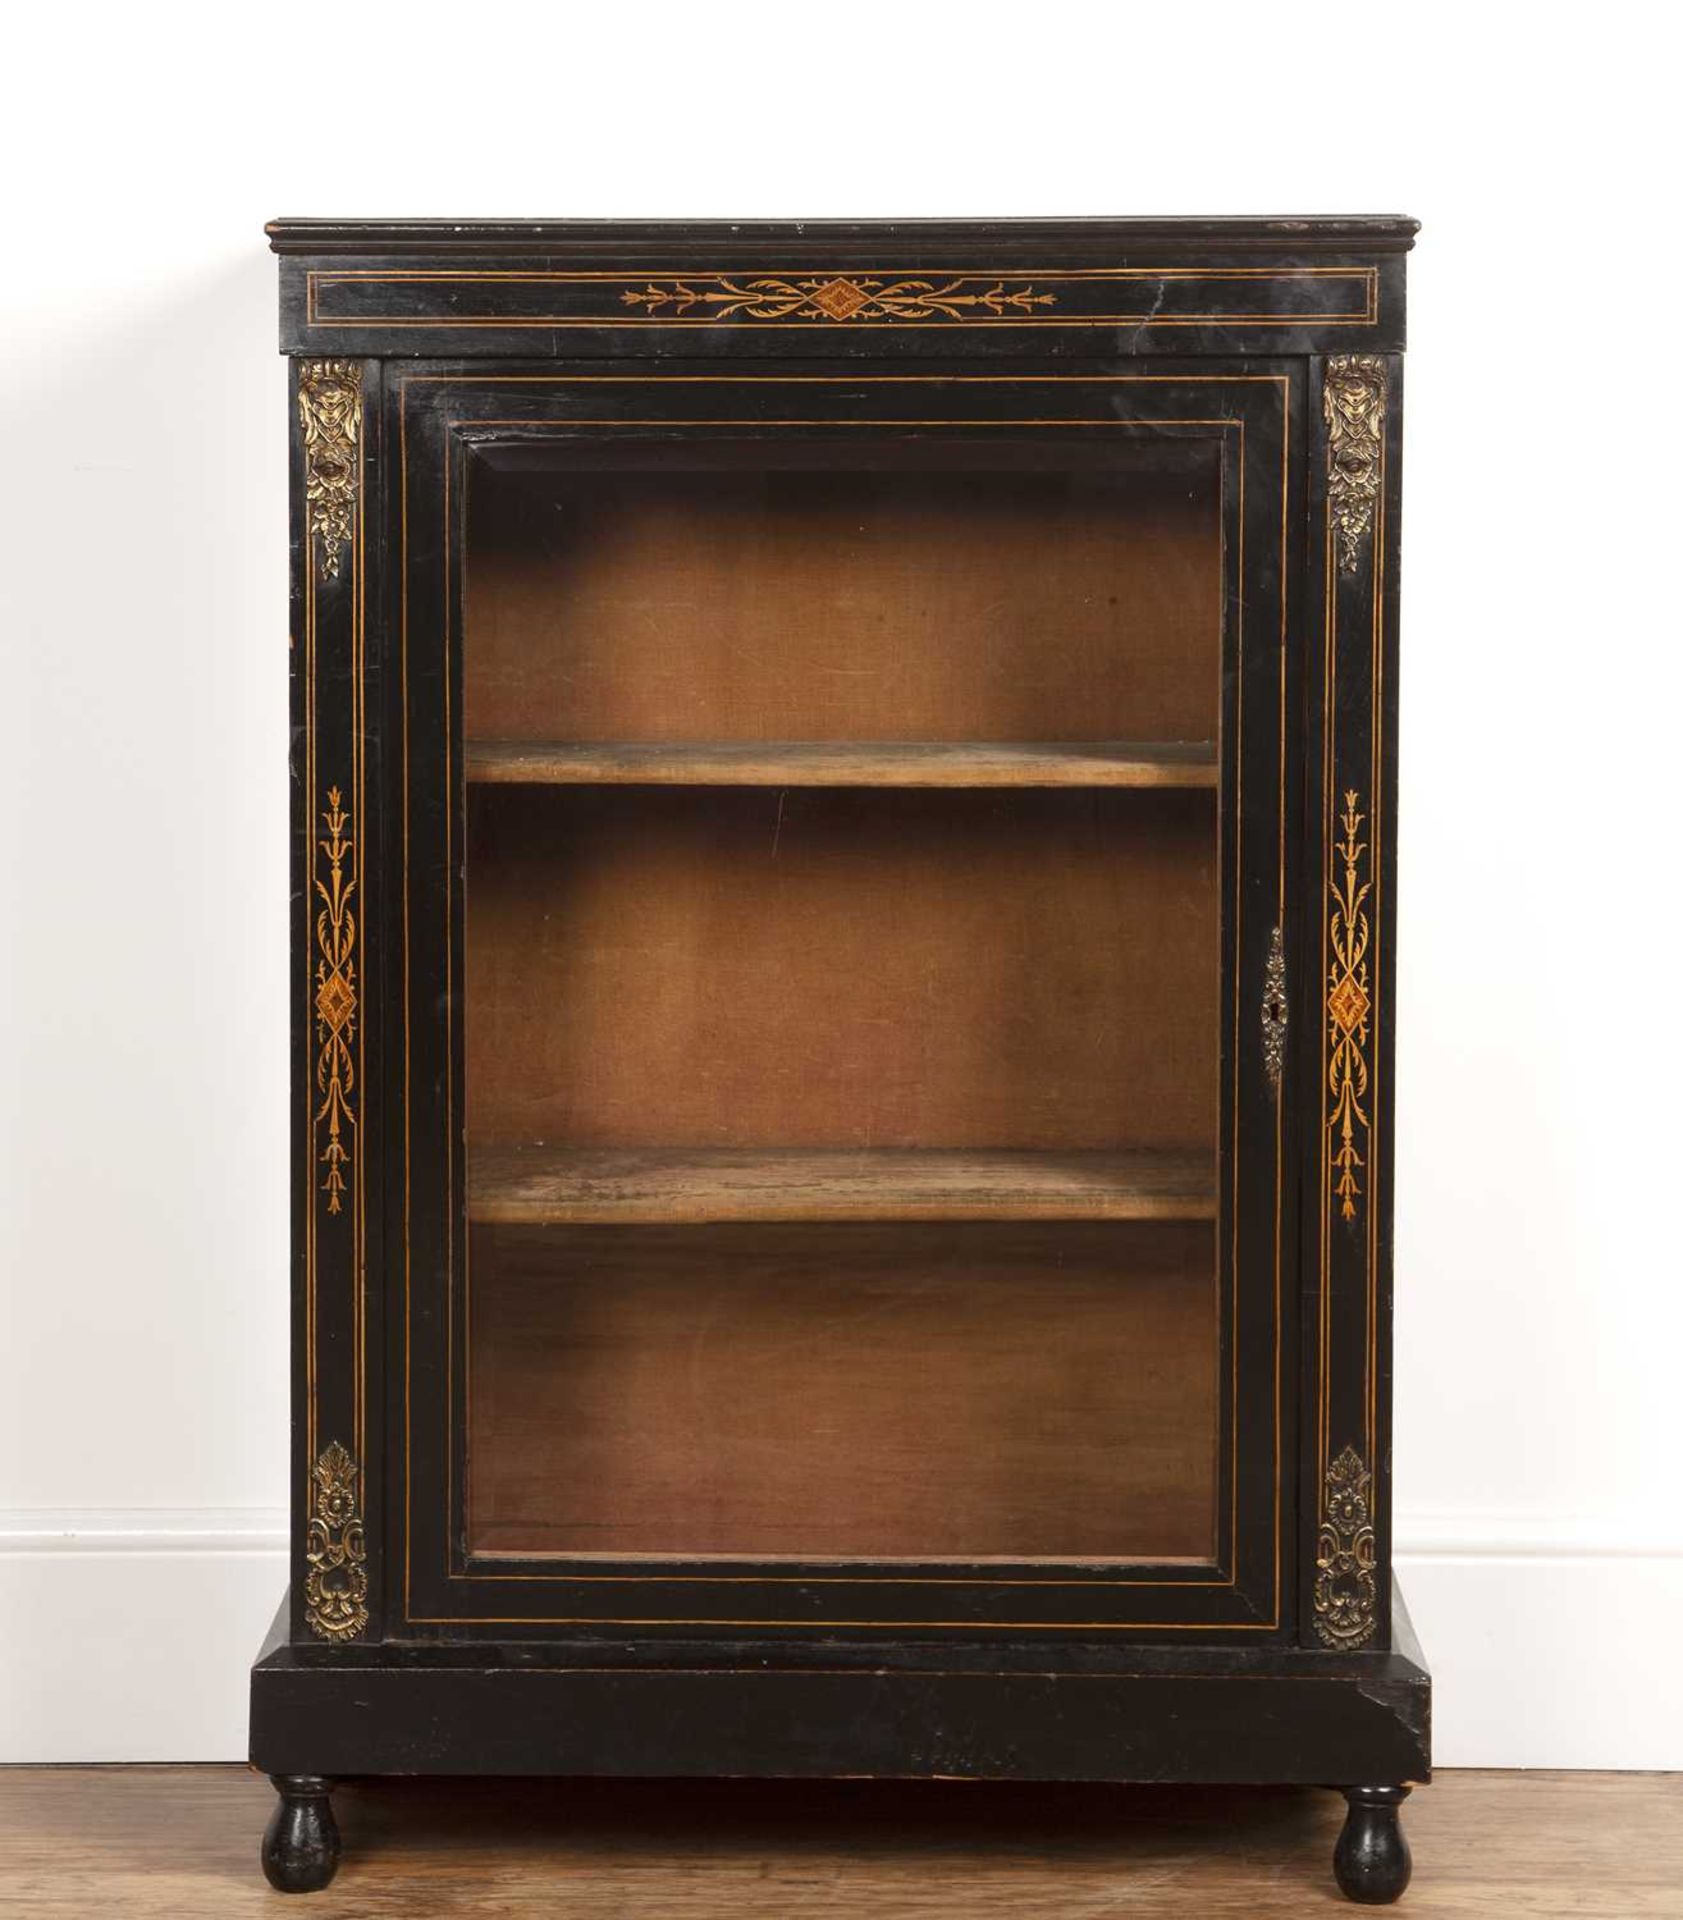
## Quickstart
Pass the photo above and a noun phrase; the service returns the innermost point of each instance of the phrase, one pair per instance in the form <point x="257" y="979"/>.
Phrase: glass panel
<point x="842" y="975"/>
<point x="856" y="1391"/>
<point x="793" y="604"/>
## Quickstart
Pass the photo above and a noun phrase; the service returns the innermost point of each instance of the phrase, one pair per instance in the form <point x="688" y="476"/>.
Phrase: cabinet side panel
<point x="1346" y="1044"/>
<point x="1385" y="763"/>
<point x="335" y="1173"/>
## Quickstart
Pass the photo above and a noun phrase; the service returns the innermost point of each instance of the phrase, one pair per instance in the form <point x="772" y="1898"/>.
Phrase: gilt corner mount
<point x="336" y="1585"/>
<point x="1353" y="399"/>
<point x="1346" y="1581"/>
<point x="330" y="414"/>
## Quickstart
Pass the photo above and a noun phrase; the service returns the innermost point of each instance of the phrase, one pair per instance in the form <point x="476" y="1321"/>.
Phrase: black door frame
<point x="441" y="418"/>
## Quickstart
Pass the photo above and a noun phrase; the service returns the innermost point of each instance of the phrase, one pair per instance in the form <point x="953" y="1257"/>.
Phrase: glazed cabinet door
<point x="843" y="1172"/>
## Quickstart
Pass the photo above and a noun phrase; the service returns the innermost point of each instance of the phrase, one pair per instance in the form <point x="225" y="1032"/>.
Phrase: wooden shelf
<point x="888" y="763"/>
<point x="539" y="1186"/>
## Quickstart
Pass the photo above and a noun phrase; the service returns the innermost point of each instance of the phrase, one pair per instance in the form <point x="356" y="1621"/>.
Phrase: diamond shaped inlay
<point x="1348" y="1003"/>
<point x="335" y="1002"/>
<point x="840" y="298"/>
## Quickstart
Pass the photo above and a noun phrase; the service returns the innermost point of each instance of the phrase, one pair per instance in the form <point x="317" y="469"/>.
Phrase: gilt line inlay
<point x="840" y="298"/>
<point x="1348" y="1010"/>
<point x="335" y="999"/>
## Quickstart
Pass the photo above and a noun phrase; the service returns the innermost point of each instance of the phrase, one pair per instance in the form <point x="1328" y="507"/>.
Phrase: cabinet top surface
<point x="1388" y="233"/>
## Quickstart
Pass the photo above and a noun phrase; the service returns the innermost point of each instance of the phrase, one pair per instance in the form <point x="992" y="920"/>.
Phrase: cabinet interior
<point x="841" y="977"/>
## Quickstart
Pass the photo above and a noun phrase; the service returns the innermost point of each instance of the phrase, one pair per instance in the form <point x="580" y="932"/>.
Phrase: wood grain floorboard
<point x="140" y="1842"/>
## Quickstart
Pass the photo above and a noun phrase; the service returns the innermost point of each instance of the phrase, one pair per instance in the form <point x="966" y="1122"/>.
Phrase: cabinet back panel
<point x="852" y="968"/>
<point x="856" y="1392"/>
<point x="1075" y="603"/>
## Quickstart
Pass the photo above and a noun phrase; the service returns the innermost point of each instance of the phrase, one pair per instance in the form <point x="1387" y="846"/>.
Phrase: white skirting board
<point x="127" y="1636"/>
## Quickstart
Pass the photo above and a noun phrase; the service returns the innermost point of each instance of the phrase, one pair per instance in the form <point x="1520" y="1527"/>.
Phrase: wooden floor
<point x="139" y="1842"/>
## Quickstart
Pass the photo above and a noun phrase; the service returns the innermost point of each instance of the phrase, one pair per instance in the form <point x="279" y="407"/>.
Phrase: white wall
<point x="141" y="510"/>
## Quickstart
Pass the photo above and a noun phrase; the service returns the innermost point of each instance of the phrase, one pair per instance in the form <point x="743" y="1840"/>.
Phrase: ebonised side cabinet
<point x="843" y="871"/>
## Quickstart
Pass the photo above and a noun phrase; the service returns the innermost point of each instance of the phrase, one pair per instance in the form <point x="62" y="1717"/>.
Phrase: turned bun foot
<point x="301" y="1842"/>
<point x="1372" y="1859"/>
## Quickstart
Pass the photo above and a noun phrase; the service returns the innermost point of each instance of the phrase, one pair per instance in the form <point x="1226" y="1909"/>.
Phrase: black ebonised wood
<point x="301" y="1842"/>
<point x="428" y="358"/>
<point x="1372" y="1859"/>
